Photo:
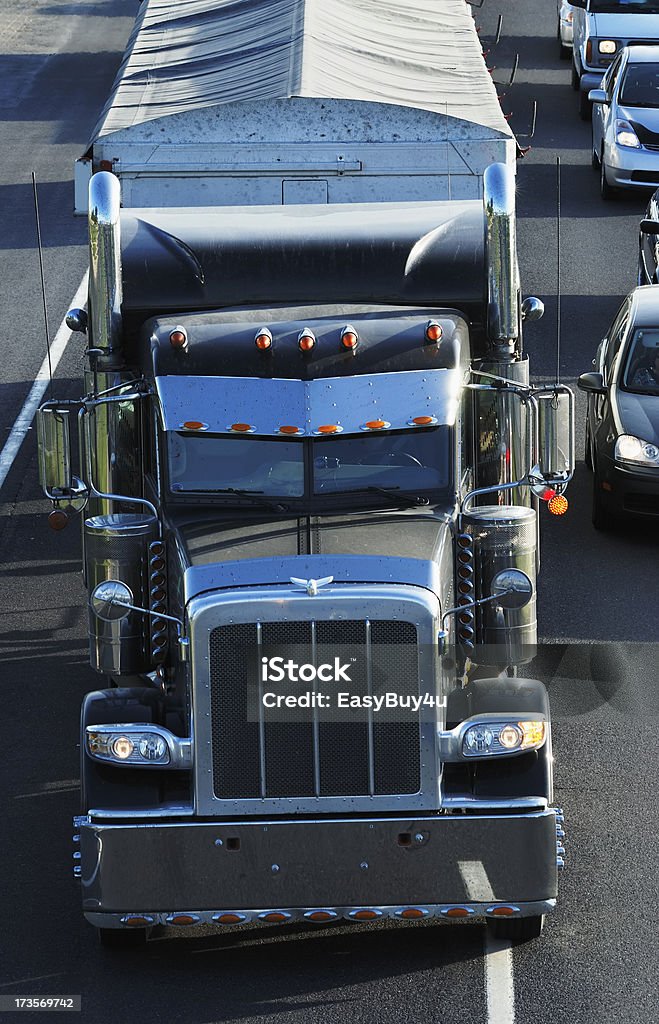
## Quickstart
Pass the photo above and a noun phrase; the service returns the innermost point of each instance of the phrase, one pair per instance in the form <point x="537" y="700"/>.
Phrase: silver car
<point x="626" y="121"/>
<point x="564" y="30"/>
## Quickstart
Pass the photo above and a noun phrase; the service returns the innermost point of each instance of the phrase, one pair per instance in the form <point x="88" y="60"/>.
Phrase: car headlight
<point x="607" y="46"/>
<point x="633" y="449"/>
<point x="626" y="136"/>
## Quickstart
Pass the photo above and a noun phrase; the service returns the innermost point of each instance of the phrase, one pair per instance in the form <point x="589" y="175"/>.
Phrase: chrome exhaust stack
<point x="105" y="287"/>
<point x="501" y="258"/>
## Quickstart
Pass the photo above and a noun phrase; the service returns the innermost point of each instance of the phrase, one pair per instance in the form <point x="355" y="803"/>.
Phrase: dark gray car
<point x="622" y="422"/>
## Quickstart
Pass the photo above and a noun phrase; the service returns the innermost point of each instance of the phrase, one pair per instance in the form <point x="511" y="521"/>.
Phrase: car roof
<point x="642" y="54"/>
<point x="645" y="309"/>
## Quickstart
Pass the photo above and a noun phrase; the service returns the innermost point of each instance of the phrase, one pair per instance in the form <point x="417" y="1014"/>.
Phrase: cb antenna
<point x="43" y="280"/>
<point x="558" y="269"/>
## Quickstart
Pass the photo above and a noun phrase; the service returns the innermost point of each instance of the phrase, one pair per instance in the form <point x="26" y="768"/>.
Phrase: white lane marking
<point x="499" y="986"/>
<point x="33" y="401"/>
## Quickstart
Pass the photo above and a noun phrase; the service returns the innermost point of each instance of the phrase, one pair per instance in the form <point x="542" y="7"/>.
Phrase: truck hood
<point x="626" y="26"/>
<point x="382" y="547"/>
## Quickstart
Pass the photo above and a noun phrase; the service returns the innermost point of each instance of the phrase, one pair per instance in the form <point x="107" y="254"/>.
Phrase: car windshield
<point x="623" y="6"/>
<point x="409" y="461"/>
<point x="641" y="372"/>
<point x="640" y="87"/>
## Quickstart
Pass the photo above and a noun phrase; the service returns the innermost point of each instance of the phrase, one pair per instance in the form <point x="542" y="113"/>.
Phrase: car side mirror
<point x="649" y="227"/>
<point x="593" y="383"/>
<point x="599" y="96"/>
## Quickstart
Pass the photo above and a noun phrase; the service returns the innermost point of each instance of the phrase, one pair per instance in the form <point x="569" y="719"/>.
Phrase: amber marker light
<point x="321" y="915"/>
<point x="458" y="912"/>
<point x="306" y="340"/>
<point x="263" y="339"/>
<point x="275" y="916"/>
<point x="178" y="338"/>
<point x="434" y="332"/>
<point x="412" y="913"/>
<point x="290" y="430"/>
<point x="228" y="918"/>
<point x="242" y="428"/>
<point x="558" y="505"/>
<point x="422" y="421"/>
<point x="183" y="919"/>
<point x="502" y="911"/>
<point x="376" y="425"/>
<point x="194" y="425"/>
<point x="349" y="338"/>
<point x="364" y="915"/>
<point x="329" y="428"/>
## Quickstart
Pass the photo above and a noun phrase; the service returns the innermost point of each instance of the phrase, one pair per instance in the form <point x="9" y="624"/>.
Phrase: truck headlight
<point x="632" y="449"/>
<point x="137" y="745"/>
<point x="607" y="46"/>
<point x="506" y="737"/>
<point x="626" y="136"/>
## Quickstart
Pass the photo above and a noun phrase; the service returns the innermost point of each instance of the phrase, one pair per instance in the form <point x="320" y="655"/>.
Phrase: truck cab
<point x="600" y="29"/>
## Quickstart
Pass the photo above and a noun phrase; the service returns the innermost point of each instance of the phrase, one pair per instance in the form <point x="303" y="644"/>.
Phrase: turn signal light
<point x="558" y="505"/>
<point x="179" y="338"/>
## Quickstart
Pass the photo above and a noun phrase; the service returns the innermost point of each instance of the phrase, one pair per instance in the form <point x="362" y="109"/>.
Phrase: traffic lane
<point x="597" y="960"/>
<point x="54" y="80"/>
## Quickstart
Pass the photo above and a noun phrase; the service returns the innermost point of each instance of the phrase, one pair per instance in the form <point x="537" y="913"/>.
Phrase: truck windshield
<point x="414" y="460"/>
<point x="624" y="6"/>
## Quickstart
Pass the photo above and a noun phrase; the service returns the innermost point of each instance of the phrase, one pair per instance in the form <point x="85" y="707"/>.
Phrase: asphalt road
<point x="599" y="615"/>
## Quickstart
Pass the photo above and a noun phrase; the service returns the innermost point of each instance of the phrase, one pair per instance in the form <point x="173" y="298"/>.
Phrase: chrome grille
<point x="316" y="754"/>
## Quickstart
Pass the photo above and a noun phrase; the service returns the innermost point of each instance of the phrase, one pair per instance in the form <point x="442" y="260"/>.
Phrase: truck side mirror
<point x="649" y="227"/>
<point x="55" y="474"/>
<point x="555" y="437"/>
<point x="54" y="439"/>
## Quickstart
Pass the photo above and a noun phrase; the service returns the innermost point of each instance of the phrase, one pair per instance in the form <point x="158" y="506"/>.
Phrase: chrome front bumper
<point x="207" y="868"/>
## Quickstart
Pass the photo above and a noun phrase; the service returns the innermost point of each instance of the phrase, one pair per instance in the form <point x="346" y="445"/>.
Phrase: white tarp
<point x="186" y="55"/>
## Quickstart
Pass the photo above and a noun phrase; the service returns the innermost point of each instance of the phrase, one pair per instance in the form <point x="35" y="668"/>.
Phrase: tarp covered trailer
<point x="218" y="102"/>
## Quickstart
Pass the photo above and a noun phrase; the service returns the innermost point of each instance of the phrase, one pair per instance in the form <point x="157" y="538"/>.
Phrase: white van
<point x="600" y="29"/>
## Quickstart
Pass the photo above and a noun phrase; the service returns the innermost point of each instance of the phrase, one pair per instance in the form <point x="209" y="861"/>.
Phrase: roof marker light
<point x="306" y="340"/>
<point x="349" y="337"/>
<point x="434" y="332"/>
<point x="242" y="428"/>
<point x="194" y="425"/>
<point x="329" y="428"/>
<point x="263" y="339"/>
<point x="290" y="430"/>
<point x="178" y="339"/>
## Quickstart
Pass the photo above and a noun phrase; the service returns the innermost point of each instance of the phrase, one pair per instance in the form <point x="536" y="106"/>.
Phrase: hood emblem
<point x="311" y="586"/>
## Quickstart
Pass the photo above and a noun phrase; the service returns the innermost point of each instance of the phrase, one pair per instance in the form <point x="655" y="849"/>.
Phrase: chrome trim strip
<point x="433" y="910"/>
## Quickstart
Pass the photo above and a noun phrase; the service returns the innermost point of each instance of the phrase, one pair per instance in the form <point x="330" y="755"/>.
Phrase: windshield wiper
<point x="391" y="492"/>
<point x="255" y="496"/>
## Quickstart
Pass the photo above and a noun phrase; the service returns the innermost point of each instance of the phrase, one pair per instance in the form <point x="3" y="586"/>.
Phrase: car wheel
<point x="585" y="107"/>
<point x="516" y="929"/>
<point x="606" y="191"/>
<point x="575" y="77"/>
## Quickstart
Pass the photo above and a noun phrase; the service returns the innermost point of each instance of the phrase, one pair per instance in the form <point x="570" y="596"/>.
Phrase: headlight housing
<point x="494" y="735"/>
<point x="633" y="449"/>
<point x="626" y="136"/>
<point x="139" y="746"/>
